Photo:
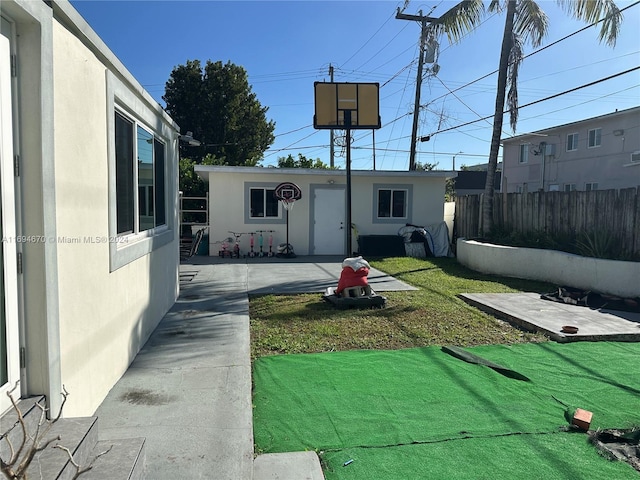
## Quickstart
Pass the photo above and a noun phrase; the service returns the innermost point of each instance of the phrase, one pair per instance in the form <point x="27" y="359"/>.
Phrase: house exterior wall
<point x="122" y="306"/>
<point x="90" y="299"/>
<point x="608" y="165"/>
<point x="229" y="202"/>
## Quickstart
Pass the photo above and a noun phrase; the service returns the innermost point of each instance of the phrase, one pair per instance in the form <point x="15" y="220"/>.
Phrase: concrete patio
<point x="188" y="391"/>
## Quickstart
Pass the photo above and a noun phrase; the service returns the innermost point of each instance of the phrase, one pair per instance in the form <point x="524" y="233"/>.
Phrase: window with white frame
<point x="554" y="187"/>
<point x="524" y="153"/>
<point x="595" y="137"/>
<point x="140" y="177"/>
<point x="572" y="142"/>
<point x="392" y="203"/>
<point x="590" y="186"/>
<point x="263" y="203"/>
<point x="569" y="187"/>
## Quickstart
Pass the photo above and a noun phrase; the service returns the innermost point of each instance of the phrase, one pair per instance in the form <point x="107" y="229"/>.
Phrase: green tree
<point x="301" y="162"/>
<point x="217" y="104"/>
<point x="190" y="184"/>
<point x="429" y="167"/>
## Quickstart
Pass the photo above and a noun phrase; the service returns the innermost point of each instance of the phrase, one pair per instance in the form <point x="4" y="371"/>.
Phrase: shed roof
<point x="205" y="170"/>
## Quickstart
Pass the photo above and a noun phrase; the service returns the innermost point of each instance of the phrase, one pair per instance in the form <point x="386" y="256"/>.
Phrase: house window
<point x="524" y="153"/>
<point x="554" y="187"/>
<point x="595" y="137"/>
<point x="572" y="142"/>
<point x="263" y="203"/>
<point x="140" y="177"/>
<point x="392" y="203"/>
<point x="569" y="187"/>
<point x="591" y="186"/>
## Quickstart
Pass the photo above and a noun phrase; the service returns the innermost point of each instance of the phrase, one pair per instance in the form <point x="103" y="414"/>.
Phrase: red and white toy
<point x="354" y="274"/>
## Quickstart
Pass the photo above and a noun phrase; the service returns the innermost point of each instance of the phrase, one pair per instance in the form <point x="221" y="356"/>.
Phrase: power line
<point x="539" y="50"/>
<point x="544" y="99"/>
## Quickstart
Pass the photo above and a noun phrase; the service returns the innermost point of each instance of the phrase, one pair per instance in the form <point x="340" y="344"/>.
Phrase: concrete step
<point x="125" y="460"/>
<point x="287" y="466"/>
<point x="10" y="428"/>
<point x="79" y="435"/>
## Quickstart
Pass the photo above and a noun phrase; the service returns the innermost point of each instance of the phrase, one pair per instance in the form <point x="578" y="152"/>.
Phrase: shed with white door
<point x="242" y="201"/>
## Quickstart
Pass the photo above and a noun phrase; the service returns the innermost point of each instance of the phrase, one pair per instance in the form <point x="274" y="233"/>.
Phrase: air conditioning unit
<point x="635" y="156"/>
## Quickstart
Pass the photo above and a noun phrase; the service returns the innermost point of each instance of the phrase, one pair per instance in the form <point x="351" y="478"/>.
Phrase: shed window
<point x="392" y="203"/>
<point x="263" y="203"/>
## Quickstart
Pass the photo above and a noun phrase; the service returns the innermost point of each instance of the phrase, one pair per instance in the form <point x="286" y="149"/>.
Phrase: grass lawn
<point x="432" y="315"/>
<point x="389" y="411"/>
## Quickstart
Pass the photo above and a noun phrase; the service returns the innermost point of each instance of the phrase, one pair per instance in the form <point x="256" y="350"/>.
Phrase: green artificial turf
<point x="392" y="411"/>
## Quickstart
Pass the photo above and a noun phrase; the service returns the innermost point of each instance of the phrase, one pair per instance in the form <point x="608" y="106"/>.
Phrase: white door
<point x="329" y="234"/>
<point x="9" y="338"/>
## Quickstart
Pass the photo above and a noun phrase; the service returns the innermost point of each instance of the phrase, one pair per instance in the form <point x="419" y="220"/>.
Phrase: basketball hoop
<point x="287" y="193"/>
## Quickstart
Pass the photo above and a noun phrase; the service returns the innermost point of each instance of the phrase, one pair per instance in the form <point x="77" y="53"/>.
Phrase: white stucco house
<point x="241" y="200"/>
<point x="88" y="173"/>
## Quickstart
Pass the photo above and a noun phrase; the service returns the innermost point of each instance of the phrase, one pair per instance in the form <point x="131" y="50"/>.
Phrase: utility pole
<point x="331" y="151"/>
<point x="424" y="23"/>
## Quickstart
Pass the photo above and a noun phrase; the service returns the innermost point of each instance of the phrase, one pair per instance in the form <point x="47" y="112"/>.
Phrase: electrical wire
<point x="545" y="99"/>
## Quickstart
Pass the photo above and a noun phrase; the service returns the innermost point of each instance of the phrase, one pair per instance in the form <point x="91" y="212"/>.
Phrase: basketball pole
<point x="347" y="124"/>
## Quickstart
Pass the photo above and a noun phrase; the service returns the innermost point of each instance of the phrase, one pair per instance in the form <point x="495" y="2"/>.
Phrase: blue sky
<point x="285" y="46"/>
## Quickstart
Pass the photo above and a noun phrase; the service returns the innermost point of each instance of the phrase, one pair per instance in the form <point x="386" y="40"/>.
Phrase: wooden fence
<point x="558" y="213"/>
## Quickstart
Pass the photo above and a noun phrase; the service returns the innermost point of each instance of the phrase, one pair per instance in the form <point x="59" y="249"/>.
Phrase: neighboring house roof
<point x="473" y="180"/>
<point x="555" y="127"/>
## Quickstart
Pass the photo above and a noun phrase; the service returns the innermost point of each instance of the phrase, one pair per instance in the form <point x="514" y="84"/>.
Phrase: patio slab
<point x="529" y="311"/>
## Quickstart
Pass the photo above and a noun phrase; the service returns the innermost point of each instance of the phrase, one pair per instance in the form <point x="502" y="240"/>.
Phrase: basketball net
<point x="287" y="203"/>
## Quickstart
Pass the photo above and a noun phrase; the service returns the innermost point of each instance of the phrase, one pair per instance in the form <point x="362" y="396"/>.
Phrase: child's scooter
<point x="260" y="243"/>
<point x="251" y="252"/>
<point x="271" y="252"/>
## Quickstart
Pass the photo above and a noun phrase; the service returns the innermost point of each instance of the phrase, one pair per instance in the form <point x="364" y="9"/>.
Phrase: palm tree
<point x="526" y="22"/>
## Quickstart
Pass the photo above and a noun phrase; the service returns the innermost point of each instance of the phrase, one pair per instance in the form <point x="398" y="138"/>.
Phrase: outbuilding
<point x="241" y="200"/>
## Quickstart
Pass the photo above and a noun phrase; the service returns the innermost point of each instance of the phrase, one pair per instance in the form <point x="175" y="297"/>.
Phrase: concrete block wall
<point x="563" y="269"/>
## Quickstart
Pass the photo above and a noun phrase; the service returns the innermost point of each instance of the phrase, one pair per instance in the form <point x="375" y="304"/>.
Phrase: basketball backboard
<point x="346" y="105"/>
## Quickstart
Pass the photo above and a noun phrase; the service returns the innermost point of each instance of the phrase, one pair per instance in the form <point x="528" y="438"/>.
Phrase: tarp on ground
<point x="385" y="401"/>
<point x="437" y="237"/>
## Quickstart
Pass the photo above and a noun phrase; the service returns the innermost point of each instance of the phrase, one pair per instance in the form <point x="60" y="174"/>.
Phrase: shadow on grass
<point x="452" y="268"/>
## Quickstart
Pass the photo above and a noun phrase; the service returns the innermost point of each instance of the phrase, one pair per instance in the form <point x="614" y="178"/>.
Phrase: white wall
<point x="105" y="316"/>
<point x="562" y="269"/>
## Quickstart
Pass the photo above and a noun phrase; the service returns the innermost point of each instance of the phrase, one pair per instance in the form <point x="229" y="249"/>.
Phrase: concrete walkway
<point x="188" y="391"/>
